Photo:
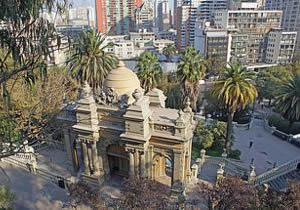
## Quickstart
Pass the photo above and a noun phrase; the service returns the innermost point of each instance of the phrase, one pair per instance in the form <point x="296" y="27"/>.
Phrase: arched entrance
<point x="162" y="169"/>
<point x="118" y="160"/>
<point x="298" y="166"/>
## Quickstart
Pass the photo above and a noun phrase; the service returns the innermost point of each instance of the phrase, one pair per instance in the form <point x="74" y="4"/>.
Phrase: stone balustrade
<point x="231" y="166"/>
<point x="276" y="172"/>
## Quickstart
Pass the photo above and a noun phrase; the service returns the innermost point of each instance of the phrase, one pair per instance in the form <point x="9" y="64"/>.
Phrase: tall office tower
<point x="290" y="18"/>
<point x="249" y="29"/>
<point x="192" y="11"/>
<point x="183" y="20"/>
<point x="144" y="17"/>
<point x="206" y="8"/>
<point x="116" y="16"/>
<point x="163" y="15"/>
<point x="177" y="3"/>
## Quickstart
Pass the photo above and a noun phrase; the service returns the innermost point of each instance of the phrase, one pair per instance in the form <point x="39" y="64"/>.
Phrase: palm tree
<point x="190" y="70"/>
<point x="235" y="90"/>
<point x="169" y="51"/>
<point x="149" y="71"/>
<point x="89" y="60"/>
<point x="288" y="100"/>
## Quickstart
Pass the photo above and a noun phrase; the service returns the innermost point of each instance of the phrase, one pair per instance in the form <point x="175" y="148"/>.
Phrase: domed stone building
<point x="127" y="133"/>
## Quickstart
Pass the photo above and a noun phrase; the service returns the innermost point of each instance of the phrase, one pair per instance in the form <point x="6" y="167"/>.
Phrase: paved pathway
<point x="32" y="192"/>
<point x="267" y="148"/>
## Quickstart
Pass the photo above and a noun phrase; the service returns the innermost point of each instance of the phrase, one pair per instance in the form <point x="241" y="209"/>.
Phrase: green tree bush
<point x="6" y="198"/>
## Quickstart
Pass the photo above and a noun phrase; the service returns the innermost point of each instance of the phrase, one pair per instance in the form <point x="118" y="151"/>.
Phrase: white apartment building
<point x="160" y="44"/>
<point x="250" y="27"/>
<point x="280" y="46"/>
<point x="83" y="14"/>
<point x="290" y="17"/>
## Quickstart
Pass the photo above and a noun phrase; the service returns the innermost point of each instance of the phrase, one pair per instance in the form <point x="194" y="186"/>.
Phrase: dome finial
<point x="121" y="64"/>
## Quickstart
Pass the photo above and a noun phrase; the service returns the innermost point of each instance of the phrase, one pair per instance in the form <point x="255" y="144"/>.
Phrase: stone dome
<point x="122" y="80"/>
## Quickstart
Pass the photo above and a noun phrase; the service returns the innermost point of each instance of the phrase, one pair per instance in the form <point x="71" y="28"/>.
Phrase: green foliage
<point x="211" y="138"/>
<point x="215" y="65"/>
<point x="234" y="87"/>
<point x="10" y="134"/>
<point x="149" y="70"/>
<point x="89" y="61"/>
<point x="191" y="69"/>
<point x="235" y="154"/>
<point x="33" y="109"/>
<point x="268" y="80"/>
<point x="206" y="139"/>
<point x="169" y="51"/>
<point x="211" y="134"/>
<point x="288" y="100"/>
<point x="6" y="197"/>
<point x="283" y="124"/>
<point x="21" y="24"/>
<point x="234" y="90"/>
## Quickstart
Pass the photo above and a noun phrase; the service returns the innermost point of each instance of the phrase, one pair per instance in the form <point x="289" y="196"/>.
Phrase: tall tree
<point x="288" y="100"/>
<point x="89" y="60"/>
<point x="6" y="198"/>
<point x="27" y="39"/>
<point x="235" y="90"/>
<point x="269" y="79"/>
<point x="191" y="69"/>
<point x="27" y="42"/>
<point x="149" y="70"/>
<point x="33" y="109"/>
<point x="169" y="51"/>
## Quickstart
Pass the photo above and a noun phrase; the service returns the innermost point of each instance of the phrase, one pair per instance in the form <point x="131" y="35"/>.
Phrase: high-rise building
<point x="250" y="28"/>
<point x="290" y="18"/>
<point x="116" y="16"/>
<point x="212" y="43"/>
<point x="206" y="8"/>
<point x="82" y="16"/>
<point x="163" y="15"/>
<point x="144" y="17"/>
<point x="183" y="28"/>
<point x="189" y="13"/>
<point x="280" y="46"/>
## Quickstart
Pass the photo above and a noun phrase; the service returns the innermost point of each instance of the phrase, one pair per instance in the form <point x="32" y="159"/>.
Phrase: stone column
<point x="85" y="158"/>
<point x="89" y="150"/>
<point x="67" y="143"/>
<point x="142" y="165"/>
<point x="136" y="163"/>
<point x="178" y="173"/>
<point x="131" y="165"/>
<point x="95" y="159"/>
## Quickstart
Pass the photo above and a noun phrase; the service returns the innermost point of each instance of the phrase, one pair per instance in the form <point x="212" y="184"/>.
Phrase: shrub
<point x="235" y="154"/>
<point x="282" y="124"/>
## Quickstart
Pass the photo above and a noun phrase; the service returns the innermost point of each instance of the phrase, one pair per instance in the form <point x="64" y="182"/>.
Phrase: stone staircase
<point x="280" y="183"/>
<point x="277" y="177"/>
<point x="208" y="169"/>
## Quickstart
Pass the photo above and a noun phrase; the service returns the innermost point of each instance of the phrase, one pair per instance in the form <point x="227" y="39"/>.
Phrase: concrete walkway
<point x="267" y="149"/>
<point x="32" y="192"/>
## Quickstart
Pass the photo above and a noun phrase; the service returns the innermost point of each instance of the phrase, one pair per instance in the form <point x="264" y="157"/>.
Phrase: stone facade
<point x="127" y="133"/>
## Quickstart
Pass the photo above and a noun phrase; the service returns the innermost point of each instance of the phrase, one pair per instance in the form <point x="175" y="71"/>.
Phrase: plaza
<point x="267" y="149"/>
